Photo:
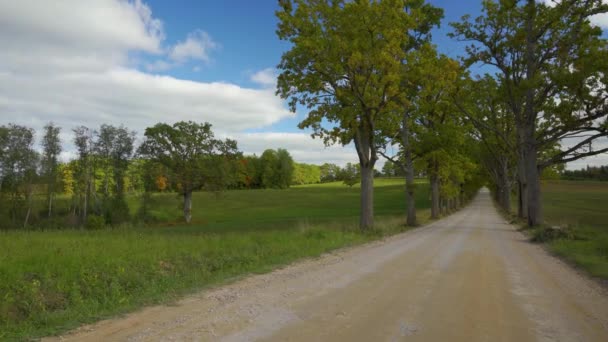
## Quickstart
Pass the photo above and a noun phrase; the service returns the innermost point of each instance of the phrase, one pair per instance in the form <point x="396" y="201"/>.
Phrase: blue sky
<point x="140" y="62"/>
<point x="245" y="32"/>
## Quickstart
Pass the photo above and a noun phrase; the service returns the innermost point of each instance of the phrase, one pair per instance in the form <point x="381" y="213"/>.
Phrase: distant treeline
<point x="597" y="173"/>
<point x="37" y="189"/>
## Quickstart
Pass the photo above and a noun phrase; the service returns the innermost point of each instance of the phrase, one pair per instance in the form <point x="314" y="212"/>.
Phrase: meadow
<point x="579" y="211"/>
<point x="581" y="208"/>
<point x="55" y="280"/>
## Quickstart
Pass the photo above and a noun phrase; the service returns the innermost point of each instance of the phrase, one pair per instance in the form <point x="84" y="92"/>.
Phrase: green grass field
<point x="268" y="208"/>
<point x="576" y="203"/>
<point x="583" y="207"/>
<point x="580" y="209"/>
<point x="52" y="281"/>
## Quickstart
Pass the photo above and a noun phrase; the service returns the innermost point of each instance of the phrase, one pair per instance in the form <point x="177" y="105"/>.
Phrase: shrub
<point x="95" y="222"/>
<point x="546" y="234"/>
<point x="116" y="211"/>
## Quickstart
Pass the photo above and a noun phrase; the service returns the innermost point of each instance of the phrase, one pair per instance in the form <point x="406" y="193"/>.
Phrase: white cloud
<point x="301" y="146"/>
<point x="159" y="65"/>
<point x="136" y="99"/>
<point x="597" y="160"/>
<point x="600" y="20"/>
<point x="265" y="78"/>
<point x="71" y="62"/>
<point x="93" y="23"/>
<point x="197" y="46"/>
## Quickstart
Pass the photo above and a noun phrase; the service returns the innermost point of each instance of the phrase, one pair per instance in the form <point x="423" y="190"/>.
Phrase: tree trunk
<point x="533" y="180"/>
<point x="50" y="204"/>
<point x="29" y="205"/>
<point x="505" y="198"/>
<point x="188" y="206"/>
<point x="528" y="124"/>
<point x="86" y="204"/>
<point x="434" y="195"/>
<point x="367" y="197"/>
<point x="409" y="173"/>
<point x="505" y="187"/>
<point x="411" y="199"/>
<point x="522" y="209"/>
<point x="366" y="150"/>
<point x="462" y="195"/>
<point x="27" y="216"/>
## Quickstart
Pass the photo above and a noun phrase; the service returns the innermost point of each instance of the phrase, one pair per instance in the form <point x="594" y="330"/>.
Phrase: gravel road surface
<point x="468" y="277"/>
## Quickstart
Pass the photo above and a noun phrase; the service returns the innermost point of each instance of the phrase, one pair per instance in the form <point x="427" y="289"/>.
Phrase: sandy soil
<point x="468" y="277"/>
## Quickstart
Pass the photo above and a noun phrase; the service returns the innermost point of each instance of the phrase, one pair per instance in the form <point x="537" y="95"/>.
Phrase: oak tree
<point x="552" y="64"/>
<point x="192" y="154"/>
<point x="344" y="66"/>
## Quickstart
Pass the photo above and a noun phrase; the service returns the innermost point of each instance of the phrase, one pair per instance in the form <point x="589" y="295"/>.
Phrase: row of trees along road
<point x="368" y="74"/>
<point x="363" y="67"/>
<point x="547" y="103"/>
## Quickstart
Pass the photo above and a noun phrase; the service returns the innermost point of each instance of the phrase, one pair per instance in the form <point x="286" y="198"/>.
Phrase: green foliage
<point x="346" y="58"/>
<point x="285" y="168"/>
<point x="329" y="172"/>
<point x="351" y="174"/>
<point x="277" y="169"/>
<point x="51" y="148"/>
<point x="547" y="234"/>
<point x="345" y="66"/>
<point x="391" y="169"/>
<point x="306" y="174"/>
<point x="552" y="67"/>
<point x="597" y="173"/>
<point x="195" y="159"/>
<point x="249" y="172"/>
<point x="189" y="151"/>
<point x="95" y="222"/>
<point x="116" y="211"/>
<point x="18" y="165"/>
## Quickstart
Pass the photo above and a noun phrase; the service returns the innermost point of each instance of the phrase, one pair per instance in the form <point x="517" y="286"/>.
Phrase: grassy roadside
<point x="52" y="281"/>
<point x="57" y="280"/>
<point x="576" y="226"/>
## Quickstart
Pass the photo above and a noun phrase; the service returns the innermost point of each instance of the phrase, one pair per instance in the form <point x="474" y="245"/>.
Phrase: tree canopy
<point x="192" y="154"/>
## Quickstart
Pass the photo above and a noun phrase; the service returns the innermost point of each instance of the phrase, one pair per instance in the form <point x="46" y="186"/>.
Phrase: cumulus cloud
<point x="73" y="63"/>
<point x="265" y="78"/>
<point x="136" y="99"/>
<point x="75" y="69"/>
<point x="197" y="46"/>
<point x="75" y="35"/>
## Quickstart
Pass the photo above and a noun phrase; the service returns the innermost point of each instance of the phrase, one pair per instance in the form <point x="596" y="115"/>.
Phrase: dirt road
<point x="468" y="277"/>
